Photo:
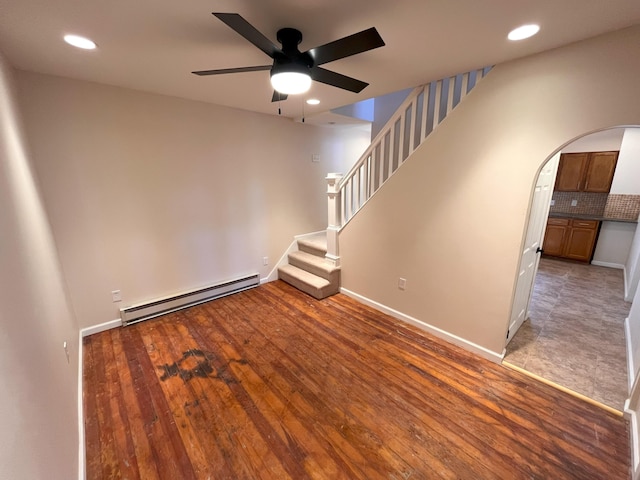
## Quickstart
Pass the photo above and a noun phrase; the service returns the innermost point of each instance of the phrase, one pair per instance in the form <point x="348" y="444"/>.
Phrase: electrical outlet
<point x="553" y="202"/>
<point x="402" y="283"/>
<point x="574" y="203"/>
<point x="116" y="296"/>
<point x="265" y="261"/>
<point x="66" y="350"/>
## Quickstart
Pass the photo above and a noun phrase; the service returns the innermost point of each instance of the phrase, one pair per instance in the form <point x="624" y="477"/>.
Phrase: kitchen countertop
<point x="590" y="216"/>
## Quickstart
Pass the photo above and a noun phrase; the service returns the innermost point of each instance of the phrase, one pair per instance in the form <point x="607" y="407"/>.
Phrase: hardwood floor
<point x="272" y="384"/>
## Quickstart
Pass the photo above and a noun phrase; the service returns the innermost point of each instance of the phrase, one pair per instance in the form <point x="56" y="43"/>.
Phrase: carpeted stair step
<point x="315" y="244"/>
<point x="317" y="265"/>
<point x="309" y="283"/>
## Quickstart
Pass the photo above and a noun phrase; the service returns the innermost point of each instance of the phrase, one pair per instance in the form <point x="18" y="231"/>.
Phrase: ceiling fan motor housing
<point x="291" y="59"/>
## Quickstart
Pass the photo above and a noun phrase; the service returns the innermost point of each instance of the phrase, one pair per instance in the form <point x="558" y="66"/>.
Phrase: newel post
<point x="335" y="217"/>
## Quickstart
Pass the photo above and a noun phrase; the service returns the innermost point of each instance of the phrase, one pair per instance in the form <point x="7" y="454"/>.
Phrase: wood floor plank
<point x="90" y="375"/>
<point x="169" y="452"/>
<point x="272" y="384"/>
<point x="143" y="451"/>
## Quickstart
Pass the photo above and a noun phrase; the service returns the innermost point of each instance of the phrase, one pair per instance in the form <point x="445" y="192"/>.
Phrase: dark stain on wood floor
<point x="272" y="384"/>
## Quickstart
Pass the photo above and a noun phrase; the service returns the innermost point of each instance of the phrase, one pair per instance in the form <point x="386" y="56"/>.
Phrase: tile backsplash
<point x="613" y="206"/>
<point x="588" y="203"/>
<point x="622" y="206"/>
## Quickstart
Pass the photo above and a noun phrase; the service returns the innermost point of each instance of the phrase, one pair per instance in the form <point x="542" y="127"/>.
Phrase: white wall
<point x="38" y="399"/>
<point x="604" y="141"/>
<point x="614" y="243"/>
<point x="451" y="221"/>
<point x="153" y="195"/>
<point x="632" y="267"/>
<point x="627" y="177"/>
<point x="615" y="239"/>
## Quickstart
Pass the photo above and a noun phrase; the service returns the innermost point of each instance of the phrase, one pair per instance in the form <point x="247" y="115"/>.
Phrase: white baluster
<point x="412" y="127"/>
<point x="425" y="110"/>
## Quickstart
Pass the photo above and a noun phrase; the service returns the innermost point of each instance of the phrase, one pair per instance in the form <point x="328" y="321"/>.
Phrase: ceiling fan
<point x="292" y="71"/>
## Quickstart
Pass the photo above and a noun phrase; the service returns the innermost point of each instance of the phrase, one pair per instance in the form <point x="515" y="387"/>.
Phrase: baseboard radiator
<point x="162" y="306"/>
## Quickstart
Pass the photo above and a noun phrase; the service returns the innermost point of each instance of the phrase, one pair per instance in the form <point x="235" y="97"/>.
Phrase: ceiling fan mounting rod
<point x="290" y="38"/>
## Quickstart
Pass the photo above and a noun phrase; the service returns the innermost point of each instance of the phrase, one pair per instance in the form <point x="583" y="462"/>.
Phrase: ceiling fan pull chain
<point x="303" y="110"/>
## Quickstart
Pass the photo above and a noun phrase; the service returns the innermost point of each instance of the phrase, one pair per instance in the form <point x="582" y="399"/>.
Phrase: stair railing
<point x="421" y="112"/>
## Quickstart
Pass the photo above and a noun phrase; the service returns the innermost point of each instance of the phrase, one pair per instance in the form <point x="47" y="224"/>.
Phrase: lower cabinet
<point x="570" y="238"/>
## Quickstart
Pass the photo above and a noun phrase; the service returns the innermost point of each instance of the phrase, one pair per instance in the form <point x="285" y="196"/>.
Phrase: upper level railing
<point x="412" y="122"/>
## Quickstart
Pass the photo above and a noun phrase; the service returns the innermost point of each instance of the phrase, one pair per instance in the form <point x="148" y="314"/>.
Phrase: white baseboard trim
<point x="85" y="332"/>
<point x="598" y="263"/>
<point x="630" y="365"/>
<point x="444" y="335"/>
<point x="82" y="469"/>
<point x="632" y="418"/>
<point x="293" y="247"/>
<point x="628" y="295"/>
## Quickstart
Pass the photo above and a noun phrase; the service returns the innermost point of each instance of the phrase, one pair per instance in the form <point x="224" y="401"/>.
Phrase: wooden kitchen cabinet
<point x="571" y="171"/>
<point x="570" y="238"/>
<point x="555" y="236"/>
<point x="600" y="170"/>
<point x="586" y="172"/>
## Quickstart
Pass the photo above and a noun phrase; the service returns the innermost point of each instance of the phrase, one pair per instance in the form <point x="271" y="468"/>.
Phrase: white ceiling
<point x="153" y="45"/>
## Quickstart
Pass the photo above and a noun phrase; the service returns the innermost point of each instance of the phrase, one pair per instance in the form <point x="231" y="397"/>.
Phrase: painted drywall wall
<point x="153" y="195"/>
<point x="615" y="239"/>
<point x="614" y="243"/>
<point x="39" y="426"/>
<point x="634" y="330"/>
<point x="627" y="177"/>
<point x="604" y="141"/>
<point x="627" y="180"/>
<point x="632" y="267"/>
<point x="451" y="221"/>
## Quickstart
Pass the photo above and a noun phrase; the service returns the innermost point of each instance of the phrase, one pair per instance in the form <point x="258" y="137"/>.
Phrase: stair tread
<point x="316" y="242"/>
<point x="314" y="260"/>
<point x="303" y="275"/>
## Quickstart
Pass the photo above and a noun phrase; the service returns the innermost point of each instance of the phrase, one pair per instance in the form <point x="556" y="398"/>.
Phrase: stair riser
<point x="312" y="250"/>
<point x="310" y="290"/>
<point x="333" y="277"/>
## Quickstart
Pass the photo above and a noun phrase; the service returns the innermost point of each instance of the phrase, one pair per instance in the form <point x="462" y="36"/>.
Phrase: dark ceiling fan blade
<point x="337" y="80"/>
<point x="248" y="31"/>
<point x="278" y="97"/>
<point x="233" y="70"/>
<point x="347" y="46"/>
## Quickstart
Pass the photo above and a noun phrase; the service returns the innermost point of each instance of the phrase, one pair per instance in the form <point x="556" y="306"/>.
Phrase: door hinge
<point x="508" y="334"/>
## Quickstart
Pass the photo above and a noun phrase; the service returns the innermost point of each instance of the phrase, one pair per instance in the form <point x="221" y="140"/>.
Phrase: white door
<point x="533" y="242"/>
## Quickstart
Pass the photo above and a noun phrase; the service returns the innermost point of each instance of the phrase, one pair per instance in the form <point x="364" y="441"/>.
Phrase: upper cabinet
<point x="586" y="172"/>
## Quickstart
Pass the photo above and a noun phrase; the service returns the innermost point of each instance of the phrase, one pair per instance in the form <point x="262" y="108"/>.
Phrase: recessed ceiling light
<point x="313" y="101"/>
<point x="80" y="42"/>
<point x="525" y="31"/>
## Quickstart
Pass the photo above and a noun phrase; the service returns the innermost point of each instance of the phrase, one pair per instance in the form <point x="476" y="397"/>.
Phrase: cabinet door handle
<point x="584" y="224"/>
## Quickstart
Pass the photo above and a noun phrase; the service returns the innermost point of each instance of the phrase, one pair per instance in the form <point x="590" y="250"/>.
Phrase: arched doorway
<point x="574" y="335"/>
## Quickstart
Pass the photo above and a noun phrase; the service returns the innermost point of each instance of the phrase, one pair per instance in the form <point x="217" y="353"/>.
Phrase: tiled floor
<point x="575" y="334"/>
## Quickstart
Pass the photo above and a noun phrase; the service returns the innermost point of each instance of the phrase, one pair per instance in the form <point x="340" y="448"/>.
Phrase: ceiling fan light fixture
<point x="291" y="83"/>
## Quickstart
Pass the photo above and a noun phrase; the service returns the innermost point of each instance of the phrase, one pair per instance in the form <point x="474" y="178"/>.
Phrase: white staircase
<point x="316" y="268"/>
<point x="308" y="269"/>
